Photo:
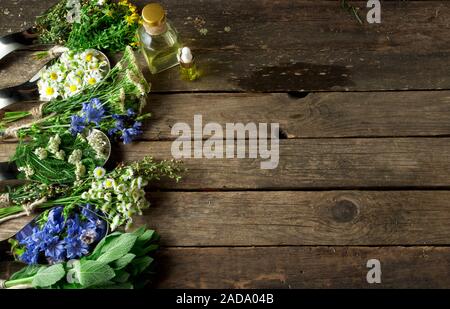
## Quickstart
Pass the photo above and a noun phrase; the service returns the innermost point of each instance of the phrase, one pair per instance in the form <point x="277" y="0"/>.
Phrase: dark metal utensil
<point x="18" y="40"/>
<point x="27" y="91"/>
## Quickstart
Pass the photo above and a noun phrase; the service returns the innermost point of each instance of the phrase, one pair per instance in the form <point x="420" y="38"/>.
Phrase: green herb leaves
<point x="120" y="260"/>
<point x="48" y="276"/>
<point x="93" y="273"/>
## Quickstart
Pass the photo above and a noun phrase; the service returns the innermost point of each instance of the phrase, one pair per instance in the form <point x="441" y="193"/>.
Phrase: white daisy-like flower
<point x="121" y="188"/>
<point x="99" y="172"/>
<point x="85" y="195"/>
<point x="109" y="183"/>
<point x="55" y="75"/>
<point x="92" y="78"/>
<point x="49" y="91"/>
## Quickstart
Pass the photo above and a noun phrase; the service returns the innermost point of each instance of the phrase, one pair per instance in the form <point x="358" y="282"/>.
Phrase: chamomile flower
<point x="99" y="172"/>
<point x="121" y="188"/>
<point x="109" y="183"/>
<point x="48" y="91"/>
<point x="92" y="78"/>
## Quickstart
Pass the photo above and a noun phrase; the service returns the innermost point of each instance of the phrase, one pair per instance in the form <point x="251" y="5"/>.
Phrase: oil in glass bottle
<point x="158" y="39"/>
<point x="188" y="68"/>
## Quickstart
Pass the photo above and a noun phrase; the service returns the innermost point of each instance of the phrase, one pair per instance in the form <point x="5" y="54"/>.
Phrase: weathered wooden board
<point x="295" y="267"/>
<point x="303" y="267"/>
<point x="260" y="45"/>
<point x="293" y="218"/>
<point x="332" y="114"/>
<point x="311" y="163"/>
<point x="300" y="218"/>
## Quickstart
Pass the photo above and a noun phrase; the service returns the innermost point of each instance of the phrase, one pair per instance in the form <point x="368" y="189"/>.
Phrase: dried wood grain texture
<point x="310" y="163"/>
<point x="300" y="218"/>
<point x="259" y="45"/>
<point x="303" y="267"/>
<point x="295" y="267"/>
<point x="331" y="114"/>
<point x="293" y="218"/>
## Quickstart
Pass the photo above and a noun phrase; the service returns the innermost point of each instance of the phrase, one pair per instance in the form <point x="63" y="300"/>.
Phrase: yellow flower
<point x="132" y="8"/>
<point x="131" y="19"/>
<point x="134" y="44"/>
<point x="53" y="76"/>
<point x="49" y="91"/>
<point x="109" y="13"/>
<point x="124" y="3"/>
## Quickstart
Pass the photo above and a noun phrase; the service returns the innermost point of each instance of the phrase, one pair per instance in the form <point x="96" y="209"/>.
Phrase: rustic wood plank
<point x="300" y="218"/>
<point x="311" y="163"/>
<point x="303" y="267"/>
<point x="295" y="267"/>
<point x="294" y="45"/>
<point x="332" y="114"/>
<point x="293" y="218"/>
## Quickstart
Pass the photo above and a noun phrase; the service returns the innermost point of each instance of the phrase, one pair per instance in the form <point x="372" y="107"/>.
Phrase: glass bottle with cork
<point x="159" y="40"/>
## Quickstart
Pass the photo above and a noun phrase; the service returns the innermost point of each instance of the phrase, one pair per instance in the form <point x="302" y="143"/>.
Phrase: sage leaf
<point x="94" y="273"/>
<point x="117" y="248"/>
<point x="99" y="248"/>
<point x="123" y="261"/>
<point x="141" y="264"/>
<point x="121" y="276"/>
<point x="26" y="272"/>
<point x="48" y="276"/>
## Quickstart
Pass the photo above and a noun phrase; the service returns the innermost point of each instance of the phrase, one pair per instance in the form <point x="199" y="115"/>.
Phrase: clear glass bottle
<point x="159" y="40"/>
<point x="188" y="68"/>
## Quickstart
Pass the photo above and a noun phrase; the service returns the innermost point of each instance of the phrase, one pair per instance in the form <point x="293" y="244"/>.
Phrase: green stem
<point x="22" y="281"/>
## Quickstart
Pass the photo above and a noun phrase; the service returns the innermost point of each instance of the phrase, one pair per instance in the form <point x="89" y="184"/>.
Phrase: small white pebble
<point x="203" y="31"/>
<point x="6" y="11"/>
<point x="227" y="29"/>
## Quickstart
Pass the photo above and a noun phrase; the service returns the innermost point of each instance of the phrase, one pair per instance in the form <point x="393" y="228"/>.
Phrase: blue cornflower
<point x="131" y="112"/>
<point x="55" y="249"/>
<point x="73" y="226"/>
<point x="130" y="133"/>
<point x="77" y="124"/>
<point x="30" y="256"/>
<point x="75" y="247"/>
<point x="55" y="223"/>
<point x="89" y="212"/>
<point x="93" y="111"/>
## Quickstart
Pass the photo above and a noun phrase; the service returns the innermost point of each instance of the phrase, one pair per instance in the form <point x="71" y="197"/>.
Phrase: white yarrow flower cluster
<point x="41" y="153"/>
<point x="97" y="141"/>
<point x="27" y="170"/>
<point x="53" y="145"/>
<point x="75" y="156"/>
<point x="71" y="74"/>
<point x="121" y="197"/>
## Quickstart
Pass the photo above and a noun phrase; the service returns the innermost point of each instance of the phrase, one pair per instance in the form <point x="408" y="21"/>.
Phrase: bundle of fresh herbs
<point x="84" y="24"/>
<point x="119" y="194"/>
<point x="120" y="260"/>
